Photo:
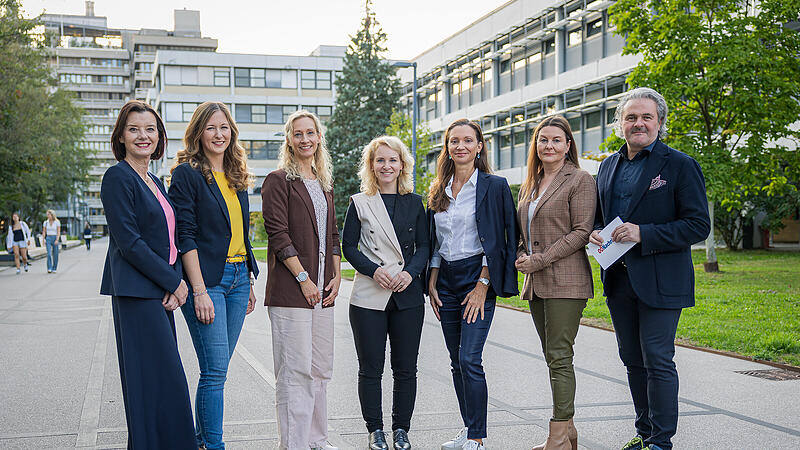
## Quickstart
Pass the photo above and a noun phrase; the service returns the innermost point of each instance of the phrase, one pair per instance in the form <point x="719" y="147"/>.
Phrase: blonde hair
<point x="52" y="213"/>
<point x="321" y="164"/>
<point x="369" y="183"/>
<point x="234" y="160"/>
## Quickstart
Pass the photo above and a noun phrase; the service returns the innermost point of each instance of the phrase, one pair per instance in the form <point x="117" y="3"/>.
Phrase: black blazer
<point x="412" y="234"/>
<point x="204" y="223"/>
<point x="137" y="262"/>
<point x="671" y="209"/>
<point x="496" y="218"/>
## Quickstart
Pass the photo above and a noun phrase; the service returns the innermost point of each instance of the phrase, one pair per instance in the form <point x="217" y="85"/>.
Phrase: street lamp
<point x="414" y="116"/>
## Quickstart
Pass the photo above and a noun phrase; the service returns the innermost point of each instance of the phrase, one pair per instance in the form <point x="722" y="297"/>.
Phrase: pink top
<point x="170" y="215"/>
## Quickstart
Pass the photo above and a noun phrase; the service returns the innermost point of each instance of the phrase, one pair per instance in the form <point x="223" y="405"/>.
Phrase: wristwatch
<point x="485" y="281"/>
<point x="302" y="276"/>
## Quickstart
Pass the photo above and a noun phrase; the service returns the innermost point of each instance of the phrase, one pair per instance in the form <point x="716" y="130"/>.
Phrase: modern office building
<point x="105" y="67"/>
<point x="260" y="90"/>
<point x="524" y="61"/>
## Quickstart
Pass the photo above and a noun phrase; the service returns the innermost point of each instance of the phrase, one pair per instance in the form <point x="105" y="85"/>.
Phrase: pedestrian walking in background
<point x="385" y="238"/>
<point x="303" y="277"/>
<point x="17" y="240"/>
<point x="87" y="236"/>
<point x="556" y="214"/>
<point x="660" y="195"/>
<point x="51" y="230"/>
<point x="209" y="191"/>
<point x="473" y="229"/>
<point x="143" y="275"/>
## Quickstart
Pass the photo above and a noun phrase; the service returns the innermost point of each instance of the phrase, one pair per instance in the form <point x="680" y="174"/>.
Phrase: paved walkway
<point x="60" y="383"/>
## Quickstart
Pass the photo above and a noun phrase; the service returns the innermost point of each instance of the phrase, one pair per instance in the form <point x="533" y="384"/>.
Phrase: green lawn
<point x="261" y="255"/>
<point x="751" y="307"/>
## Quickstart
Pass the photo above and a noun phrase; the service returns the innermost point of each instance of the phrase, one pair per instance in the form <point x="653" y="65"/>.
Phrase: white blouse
<point x="456" y="229"/>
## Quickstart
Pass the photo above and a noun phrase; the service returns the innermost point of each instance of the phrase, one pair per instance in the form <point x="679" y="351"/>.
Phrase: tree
<point x="40" y="128"/>
<point x="366" y="94"/>
<point x="400" y="126"/>
<point x="729" y="72"/>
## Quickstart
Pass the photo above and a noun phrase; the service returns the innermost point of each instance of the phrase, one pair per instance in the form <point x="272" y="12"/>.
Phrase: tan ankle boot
<point x="572" y="434"/>
<point x="558" y="439"/>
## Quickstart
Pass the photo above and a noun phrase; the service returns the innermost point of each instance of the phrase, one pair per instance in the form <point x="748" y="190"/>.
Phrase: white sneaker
<point x="18" y="271"/>
<point x="457" y="442"/>
<point x="473" y="445"/>
<point x="325" y="447"/>
<point x="54" y="270"/>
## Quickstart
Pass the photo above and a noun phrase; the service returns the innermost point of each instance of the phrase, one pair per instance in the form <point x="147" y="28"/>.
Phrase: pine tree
<point x="366" y="93"/>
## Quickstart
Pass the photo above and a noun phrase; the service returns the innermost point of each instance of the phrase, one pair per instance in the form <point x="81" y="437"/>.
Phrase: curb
<point x="591" y="323"/>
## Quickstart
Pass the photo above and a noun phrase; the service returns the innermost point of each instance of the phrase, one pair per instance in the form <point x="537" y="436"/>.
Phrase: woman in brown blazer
<point x="303" y="280"/>
<point x="556" y="213"/>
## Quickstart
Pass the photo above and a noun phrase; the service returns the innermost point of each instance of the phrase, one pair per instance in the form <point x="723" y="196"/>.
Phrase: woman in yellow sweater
<point x="209" y="191"/>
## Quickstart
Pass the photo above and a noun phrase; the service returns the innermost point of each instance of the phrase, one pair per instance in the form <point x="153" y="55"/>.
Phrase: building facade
<point x="522" y="62"/>
<point x="105" y="67"/>
<point x="261" y="92"/>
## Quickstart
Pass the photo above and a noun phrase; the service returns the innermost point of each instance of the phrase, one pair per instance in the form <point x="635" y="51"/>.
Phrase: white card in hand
<point x="610" y="251"/>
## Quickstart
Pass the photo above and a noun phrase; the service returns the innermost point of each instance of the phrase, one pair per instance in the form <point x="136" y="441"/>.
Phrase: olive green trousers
<point x="557" y="321"/>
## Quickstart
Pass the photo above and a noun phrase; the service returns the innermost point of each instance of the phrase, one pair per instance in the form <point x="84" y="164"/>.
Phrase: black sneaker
<point x="400" y="439"/>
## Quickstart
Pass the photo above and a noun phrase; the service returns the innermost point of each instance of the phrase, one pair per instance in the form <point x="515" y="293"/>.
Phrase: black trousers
<point x="646" y="341"/>
<point x="157" y="407"/>
<point x="370" y="328"/>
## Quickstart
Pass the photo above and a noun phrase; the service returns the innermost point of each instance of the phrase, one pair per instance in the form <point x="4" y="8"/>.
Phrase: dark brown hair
<point x="234" y="160"/>
<point x="445" y="167"/>
<point x="118" y="148"/>
<point x="535" y="167"/>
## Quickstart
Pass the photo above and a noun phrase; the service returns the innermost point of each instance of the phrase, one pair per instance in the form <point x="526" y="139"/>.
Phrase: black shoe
<point x="377" y="441"/>
<point x="400" y="439"/>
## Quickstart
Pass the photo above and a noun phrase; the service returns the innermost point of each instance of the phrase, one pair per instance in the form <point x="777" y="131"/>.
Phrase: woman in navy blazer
<point x="143" y="276"/>
<point x="473" y="229"/>
<point x="209" y="190"/>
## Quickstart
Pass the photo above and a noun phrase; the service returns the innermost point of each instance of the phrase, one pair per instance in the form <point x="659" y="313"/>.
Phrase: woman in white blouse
<point x="473" y="228"/>
<point x="51" y="230"/>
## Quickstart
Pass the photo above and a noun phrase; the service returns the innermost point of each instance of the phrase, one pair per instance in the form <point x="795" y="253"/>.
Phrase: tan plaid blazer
<point x="560" y="230"/>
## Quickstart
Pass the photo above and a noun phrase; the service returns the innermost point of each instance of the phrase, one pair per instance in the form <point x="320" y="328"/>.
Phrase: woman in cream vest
<point x="386" y="240"/>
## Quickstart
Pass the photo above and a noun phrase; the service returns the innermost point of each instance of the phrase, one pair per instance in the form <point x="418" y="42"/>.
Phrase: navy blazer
<point x="670" y="207"/>
<point x="496" y="218"/>
<point x="204" y="223"/>
<point x="137" y="262"/>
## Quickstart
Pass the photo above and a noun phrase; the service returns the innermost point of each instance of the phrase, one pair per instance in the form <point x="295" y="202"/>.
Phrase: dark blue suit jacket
<point x="496" y="218"/>
<point x="672" y="215"/>
<point x="204" y="223"/>
<point x="137" y="263"/>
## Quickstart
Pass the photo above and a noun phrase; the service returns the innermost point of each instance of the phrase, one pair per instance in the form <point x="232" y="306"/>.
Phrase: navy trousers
<point x="157" y="407"/>
<point x="646" y="341"/>
<point x="465" y="341"/>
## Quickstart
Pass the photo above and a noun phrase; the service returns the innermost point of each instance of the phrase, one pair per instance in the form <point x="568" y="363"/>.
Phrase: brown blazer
<point x="291" y="225"/>
<point x="561" y="225"/>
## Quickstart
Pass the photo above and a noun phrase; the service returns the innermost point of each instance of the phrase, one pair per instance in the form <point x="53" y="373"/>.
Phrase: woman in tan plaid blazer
<point x="556" y="212"/>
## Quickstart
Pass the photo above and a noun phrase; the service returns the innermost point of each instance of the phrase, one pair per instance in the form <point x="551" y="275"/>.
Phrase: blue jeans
<point x="214" y="344"/>
<point x="52" y="252"/>
<point x="465" y="341"/>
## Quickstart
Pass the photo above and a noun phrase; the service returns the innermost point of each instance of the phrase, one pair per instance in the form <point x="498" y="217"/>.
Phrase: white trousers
<point x="302" y="352"/>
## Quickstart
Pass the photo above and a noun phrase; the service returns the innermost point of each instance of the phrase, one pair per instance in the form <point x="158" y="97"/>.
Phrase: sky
<point x="290" y="27"/>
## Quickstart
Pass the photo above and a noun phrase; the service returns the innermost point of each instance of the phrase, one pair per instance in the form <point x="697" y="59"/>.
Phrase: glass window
<point x="241" y="77"/>
<point x="593" y="119"/>
<point x="594" y="27"/>
<point x="575" y="124"/>
<point x="610" y="114"/>
<point x="614" y="90"/>
<point x="258" y="113"/>
<point x="574" y="37"/>
<point x="273" y="78"/>
<point x="549" y="46"/>
<point x="222" y="76"/>
<point x="308" y="79"/>
<point x="188" y="110"/>
<point x="243" y="113"/>
<point x="505" y="65"/>
<point x="257" y="78"/>
<point x="275" y="114"/>
<point x="323" y="79"/>
<point x="519" y="65"/>
<point x="287" y="111"/>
